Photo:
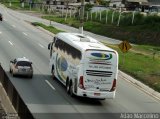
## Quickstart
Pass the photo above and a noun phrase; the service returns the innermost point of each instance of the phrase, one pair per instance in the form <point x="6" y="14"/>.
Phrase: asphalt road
<point x="47" y="98"/>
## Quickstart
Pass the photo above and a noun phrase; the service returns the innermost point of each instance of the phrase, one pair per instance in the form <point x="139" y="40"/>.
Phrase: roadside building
<point x="116" y="3"/>
<point x="154" y="2"/>
<point x="130" y="4"/>
<point x="154" y="5"/>
<point x="63" y="2"/>
<point x="59" y="2"/>
<point x="134" y="4"/>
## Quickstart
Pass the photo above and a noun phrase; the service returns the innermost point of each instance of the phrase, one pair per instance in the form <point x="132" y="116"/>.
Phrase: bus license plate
<point x="97" y="94"/>
<point x="24" y="70"/>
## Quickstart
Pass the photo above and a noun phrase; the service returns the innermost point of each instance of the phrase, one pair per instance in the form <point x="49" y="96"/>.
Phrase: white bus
<point x="84" y="65"/>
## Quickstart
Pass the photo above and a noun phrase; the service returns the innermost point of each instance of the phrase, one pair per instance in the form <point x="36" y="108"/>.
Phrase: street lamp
<point x="81" y="17"/>
<point x="10" y="3"/>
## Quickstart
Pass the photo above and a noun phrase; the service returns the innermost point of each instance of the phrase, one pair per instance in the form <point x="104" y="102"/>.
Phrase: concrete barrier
<point x="12" y="102"/>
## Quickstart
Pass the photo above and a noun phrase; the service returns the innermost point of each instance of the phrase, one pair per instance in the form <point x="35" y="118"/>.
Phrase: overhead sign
<point x="124" y="46"/>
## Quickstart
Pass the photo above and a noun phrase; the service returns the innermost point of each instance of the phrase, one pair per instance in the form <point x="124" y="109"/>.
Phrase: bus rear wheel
<point x="71" y="89"/>
<point x="53" y="72"/>
<point x="67" y="87"/>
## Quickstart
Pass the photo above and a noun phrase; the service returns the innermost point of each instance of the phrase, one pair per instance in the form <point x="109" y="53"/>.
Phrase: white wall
<point x="118" y="4"/>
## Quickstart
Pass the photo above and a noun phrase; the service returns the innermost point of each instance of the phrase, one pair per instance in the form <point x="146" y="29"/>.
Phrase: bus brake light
<point x="81" y="84"/>
<point x="113" y="86"/>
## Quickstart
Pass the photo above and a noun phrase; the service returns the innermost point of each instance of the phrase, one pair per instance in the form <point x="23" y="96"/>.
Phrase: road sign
<point x="124" y="46"/>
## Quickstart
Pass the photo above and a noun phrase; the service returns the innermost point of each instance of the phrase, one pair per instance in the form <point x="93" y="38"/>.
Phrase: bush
<point x="88" y="7"/>
<point x="152" y="19"/>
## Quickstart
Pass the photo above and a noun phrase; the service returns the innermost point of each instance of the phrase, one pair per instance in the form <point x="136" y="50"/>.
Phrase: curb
<point x="44" y="30"/>
<point x="140" y="85"/>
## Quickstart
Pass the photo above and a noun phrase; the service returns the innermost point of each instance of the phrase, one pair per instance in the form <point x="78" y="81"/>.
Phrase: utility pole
<point x="81" y="16"/>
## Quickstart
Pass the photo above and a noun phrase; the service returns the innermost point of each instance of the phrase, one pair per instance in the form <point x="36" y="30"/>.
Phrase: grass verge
<point x="139" y="34"/>
<point x="49" y="28"/>
<point x="142" y="63"/>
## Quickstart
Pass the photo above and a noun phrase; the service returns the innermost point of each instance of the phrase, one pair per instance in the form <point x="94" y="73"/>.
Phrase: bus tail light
<point x="81" y="84"/>
<point x="113" y="86"/>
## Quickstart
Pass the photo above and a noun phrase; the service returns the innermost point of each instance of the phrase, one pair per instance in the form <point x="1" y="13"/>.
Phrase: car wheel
<point x="67" y="86"/>
<point x="53" y="72"/>
<point x="10" y="70"/>
<point x="102" y="99"/>
<point x="13" y="74"/>
<point x="31" y="76"/>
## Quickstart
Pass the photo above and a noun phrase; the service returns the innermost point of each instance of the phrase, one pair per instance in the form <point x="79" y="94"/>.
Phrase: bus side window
<point x="50" y="47"/>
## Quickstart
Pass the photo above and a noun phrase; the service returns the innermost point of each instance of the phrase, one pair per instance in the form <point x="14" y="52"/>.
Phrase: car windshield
<point x="23" y="63"/>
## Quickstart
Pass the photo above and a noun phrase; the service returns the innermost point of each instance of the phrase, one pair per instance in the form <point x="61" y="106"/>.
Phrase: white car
<point x="21" y="66"/>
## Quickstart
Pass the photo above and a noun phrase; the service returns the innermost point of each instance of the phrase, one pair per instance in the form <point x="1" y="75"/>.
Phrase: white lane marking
<point x="50" y="84"/>
<point x="5" y="20"/>
<point x="0" y="32"/>
<point x="13" y="26"/>
<point x="10" y="42"/>
<point x="40" y="45"/>
<point x="25" y="34"/>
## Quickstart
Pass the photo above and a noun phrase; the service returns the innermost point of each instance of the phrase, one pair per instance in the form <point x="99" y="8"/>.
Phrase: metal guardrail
<point x="16" y="100"/>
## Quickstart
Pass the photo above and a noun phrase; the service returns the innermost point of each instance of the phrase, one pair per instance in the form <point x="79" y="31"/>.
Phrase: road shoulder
<point x="140" y="85"/>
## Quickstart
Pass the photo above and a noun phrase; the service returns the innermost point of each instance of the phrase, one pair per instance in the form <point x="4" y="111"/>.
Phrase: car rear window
<point x="23" y="63"/>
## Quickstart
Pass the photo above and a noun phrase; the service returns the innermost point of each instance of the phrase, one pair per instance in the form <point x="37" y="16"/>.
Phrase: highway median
<point x="49" y="28"/>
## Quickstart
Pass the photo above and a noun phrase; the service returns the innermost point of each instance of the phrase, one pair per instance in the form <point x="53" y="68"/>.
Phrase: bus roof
<point x="82" y="42"/>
